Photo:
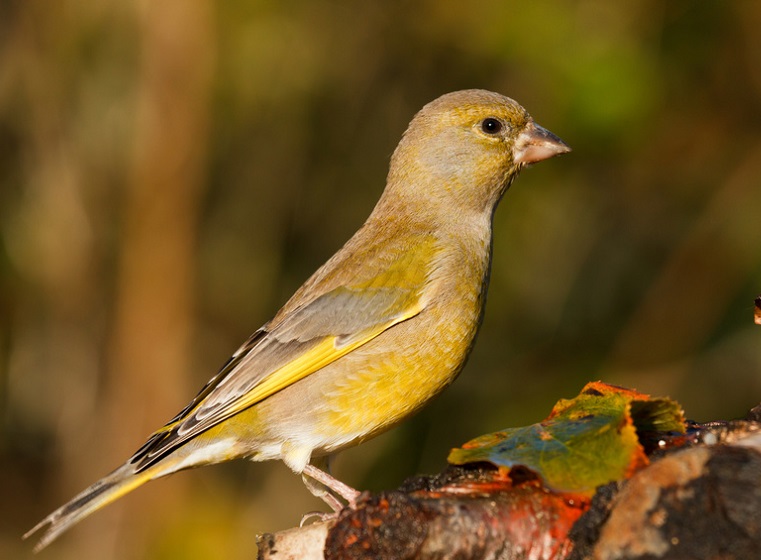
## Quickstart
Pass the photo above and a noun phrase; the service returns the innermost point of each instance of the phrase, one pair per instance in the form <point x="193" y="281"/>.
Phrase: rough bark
<point x="699" y="502"/>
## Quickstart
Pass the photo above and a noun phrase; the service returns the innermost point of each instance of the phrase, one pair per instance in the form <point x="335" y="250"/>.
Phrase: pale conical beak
<point x="536" y="143"/>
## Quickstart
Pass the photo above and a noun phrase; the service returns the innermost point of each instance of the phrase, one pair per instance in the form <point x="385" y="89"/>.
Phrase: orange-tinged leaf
<point x="585" y="442"/>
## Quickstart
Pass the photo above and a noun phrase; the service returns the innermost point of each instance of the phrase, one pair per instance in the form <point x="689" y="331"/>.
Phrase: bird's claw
<point x="320" y="516"/>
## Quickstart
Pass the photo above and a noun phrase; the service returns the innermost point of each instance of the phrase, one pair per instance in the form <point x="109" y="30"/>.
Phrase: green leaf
<point x="585" y="442"/>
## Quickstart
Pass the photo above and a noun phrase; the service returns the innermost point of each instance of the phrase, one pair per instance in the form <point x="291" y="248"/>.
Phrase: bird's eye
<point x="490" y="125"/>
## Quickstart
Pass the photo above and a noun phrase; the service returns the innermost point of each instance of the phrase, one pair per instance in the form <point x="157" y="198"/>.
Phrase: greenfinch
<point x="376" y="332"/>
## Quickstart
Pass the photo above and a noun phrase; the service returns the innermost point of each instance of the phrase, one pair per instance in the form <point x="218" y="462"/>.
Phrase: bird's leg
<point x="319" y="490"/>
<point x="322" y="485"/>
<point x="344" y="490"/>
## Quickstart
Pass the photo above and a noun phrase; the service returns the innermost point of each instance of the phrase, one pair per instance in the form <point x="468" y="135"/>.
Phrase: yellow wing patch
<point x="316" y="358"/>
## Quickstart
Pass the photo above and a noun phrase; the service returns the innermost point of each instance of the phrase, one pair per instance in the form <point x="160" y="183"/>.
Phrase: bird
<point x="375" y="333"/>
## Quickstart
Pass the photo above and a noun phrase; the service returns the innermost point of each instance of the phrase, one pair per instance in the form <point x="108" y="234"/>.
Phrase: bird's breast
<point x="392" y="376"/>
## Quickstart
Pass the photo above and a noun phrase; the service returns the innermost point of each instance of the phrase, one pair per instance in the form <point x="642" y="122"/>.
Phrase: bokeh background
<point x="171" y="171"/>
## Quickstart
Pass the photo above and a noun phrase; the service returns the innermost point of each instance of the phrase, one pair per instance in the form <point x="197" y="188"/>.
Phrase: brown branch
<point x="699" y="502"/>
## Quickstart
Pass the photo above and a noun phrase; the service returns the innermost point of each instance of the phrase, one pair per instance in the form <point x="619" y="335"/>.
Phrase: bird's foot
<point x="318" y="516"/>
<point x="334" y="485"/>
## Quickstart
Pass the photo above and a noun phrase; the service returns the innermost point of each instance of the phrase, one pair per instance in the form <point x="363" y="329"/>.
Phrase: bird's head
<point x="465" y="148"/>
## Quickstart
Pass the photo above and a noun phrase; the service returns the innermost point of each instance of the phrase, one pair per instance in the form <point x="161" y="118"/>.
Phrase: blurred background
<point x="171" y="171"/>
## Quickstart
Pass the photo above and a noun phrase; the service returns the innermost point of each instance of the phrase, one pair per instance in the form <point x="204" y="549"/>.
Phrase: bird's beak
<point x="536" y="143"/>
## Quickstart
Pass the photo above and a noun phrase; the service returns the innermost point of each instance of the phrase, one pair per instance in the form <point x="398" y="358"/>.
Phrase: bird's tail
<point x="106" y="490"/>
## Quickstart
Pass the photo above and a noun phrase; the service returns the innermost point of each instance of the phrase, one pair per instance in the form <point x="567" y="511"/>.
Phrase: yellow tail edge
<point x="108" y="489"/>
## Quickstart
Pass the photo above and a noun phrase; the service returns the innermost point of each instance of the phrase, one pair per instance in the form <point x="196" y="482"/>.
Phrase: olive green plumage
<point x="378" y="330"/>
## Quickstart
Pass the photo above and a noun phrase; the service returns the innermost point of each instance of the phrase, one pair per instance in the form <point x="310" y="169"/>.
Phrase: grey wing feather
<point x="339" y="313"/>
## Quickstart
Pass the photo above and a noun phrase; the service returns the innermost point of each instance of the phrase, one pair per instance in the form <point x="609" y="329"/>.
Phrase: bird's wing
<point x="306" y="340"/>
